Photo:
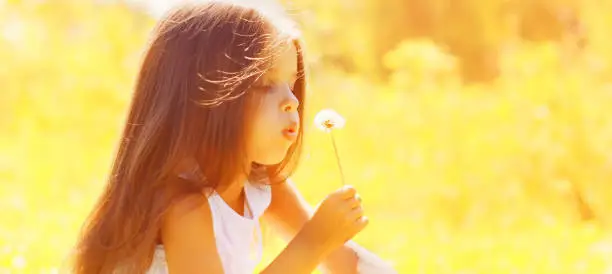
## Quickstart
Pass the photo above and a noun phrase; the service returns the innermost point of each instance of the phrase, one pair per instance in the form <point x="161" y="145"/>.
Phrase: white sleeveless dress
<point x="238" y="238"/>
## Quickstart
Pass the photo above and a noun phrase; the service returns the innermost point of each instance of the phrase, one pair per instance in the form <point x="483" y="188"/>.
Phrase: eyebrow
<point x="277" y="74"/>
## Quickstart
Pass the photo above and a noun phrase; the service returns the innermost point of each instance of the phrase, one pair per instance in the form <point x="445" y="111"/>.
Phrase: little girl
<point x="212" y="135"/>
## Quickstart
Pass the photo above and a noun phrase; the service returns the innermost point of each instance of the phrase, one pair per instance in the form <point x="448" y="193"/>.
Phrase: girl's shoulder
<point x="192" y="210"/>
<point x="187" y="229"/>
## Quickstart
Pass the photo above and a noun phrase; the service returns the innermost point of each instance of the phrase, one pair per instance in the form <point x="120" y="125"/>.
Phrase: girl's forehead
<point x="285" y="66"/>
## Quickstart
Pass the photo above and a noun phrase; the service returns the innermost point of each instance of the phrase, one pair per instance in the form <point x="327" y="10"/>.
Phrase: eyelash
<point x="268" y="85"/>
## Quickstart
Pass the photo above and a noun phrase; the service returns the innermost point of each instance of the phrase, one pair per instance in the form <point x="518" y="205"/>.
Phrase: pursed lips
<point x="290" y="133"/>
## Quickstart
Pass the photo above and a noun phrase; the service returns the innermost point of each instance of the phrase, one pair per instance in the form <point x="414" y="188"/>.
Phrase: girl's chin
<point x="271" y="160"/>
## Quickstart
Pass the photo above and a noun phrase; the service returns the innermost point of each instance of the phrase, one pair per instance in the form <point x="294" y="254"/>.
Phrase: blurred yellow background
<point x="477" y="131"/>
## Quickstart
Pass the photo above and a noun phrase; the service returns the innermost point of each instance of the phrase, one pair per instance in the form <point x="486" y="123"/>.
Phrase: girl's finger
<point x="355" y="214"/>
<point x="355" y="201"/>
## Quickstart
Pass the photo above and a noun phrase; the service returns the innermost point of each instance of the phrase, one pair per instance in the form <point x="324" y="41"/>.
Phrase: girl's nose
<point x="290" y="103"/>
<point x="290" y="106"/>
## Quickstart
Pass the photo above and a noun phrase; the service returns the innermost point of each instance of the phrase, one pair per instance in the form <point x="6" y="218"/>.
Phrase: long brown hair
<point x="192" y="101"/>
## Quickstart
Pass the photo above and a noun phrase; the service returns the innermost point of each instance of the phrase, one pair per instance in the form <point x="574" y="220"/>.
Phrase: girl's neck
<point x="233" y="194"/>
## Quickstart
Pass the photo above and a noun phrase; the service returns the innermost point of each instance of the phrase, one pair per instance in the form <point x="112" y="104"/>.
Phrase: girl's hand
<point x="337" y="219"/>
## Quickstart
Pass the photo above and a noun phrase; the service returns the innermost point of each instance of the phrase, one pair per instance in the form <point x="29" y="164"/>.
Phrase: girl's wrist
<point x="312" y="239"/>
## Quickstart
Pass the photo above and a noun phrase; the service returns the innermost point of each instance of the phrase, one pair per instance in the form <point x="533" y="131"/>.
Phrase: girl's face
<point x="275" y="122"/>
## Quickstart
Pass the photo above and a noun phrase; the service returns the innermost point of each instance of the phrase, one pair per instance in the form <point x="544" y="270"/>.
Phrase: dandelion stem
<point x="331" y="133"/>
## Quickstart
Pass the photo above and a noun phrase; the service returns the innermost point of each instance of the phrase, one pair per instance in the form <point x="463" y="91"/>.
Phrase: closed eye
<point x="264" y="84"/>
